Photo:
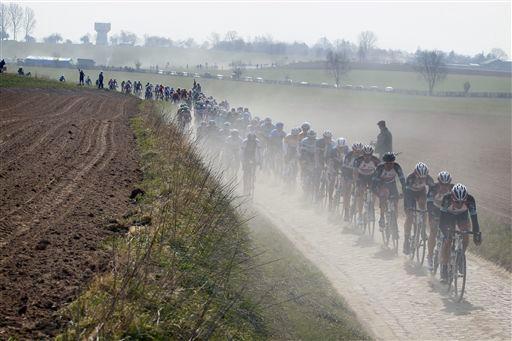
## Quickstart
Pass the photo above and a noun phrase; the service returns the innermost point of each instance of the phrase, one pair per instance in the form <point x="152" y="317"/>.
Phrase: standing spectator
<point x="384" y="140"/>
<point x="81" y="77"/>
<point x="100" y="80"/>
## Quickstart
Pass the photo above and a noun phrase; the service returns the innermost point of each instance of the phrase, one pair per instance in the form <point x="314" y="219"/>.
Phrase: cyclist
<point x="251" y="151"/>
<point x="232" y="149"/>
<point x="417" y="185"/>
<point x="456" y="208"/>
<point x="307" y="153"/>
<point x="322" y="152"/>
<point x="384" y="183"/>
<point x="348" y="177"/>
<point x="434" y="199"/>
<point x="305" y="127"/>
<point x="276" y="138"/>
<point x="364" y="167"/>
<point x="291" y="148"/>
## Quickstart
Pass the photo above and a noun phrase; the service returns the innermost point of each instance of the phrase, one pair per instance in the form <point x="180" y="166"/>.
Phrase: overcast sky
<point x="466" y="26"/>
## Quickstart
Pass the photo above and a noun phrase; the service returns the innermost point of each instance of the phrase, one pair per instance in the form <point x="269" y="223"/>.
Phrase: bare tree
<point x="16" y="17"/>
<point x="53" y="38"/>
<point x="499" y="53"/>
<point x="338" y="64"/>
<point x="231" y="36"/>
<point x="86" y="39"/>
<point x="29" y="22"/>
<point x="214" y="38"/>
<point x="367" y="41"/>
<point x="5" y="21"/>
<point x="431" y="66"/>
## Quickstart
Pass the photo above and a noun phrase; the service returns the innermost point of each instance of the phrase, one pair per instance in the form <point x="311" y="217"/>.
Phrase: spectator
<point x="384" y="140"/>
<point x="81" y="77"/>
<point x="2" y="65"/>
<point x="100" y="80"/>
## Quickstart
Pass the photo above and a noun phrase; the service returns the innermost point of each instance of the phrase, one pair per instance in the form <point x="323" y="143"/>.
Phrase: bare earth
<point x="394" y="298"/>
<point x="68" y="164"/>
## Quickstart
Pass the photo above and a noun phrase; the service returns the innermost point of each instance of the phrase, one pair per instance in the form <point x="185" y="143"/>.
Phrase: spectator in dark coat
<point x="100" y="81"/>
<point x="81" y="77"/>
<point x="384" y="140"/>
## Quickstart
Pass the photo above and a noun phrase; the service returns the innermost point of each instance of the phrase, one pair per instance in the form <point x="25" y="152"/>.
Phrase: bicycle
<point x="419" y="236"/>
<point x="249" y="178"/>
<point x="390" y="230"/>
<point x="338" y="192"/>
<point x="368" y="212"/>
<point x="457" y="274"/>
<point x="437" y="248"/>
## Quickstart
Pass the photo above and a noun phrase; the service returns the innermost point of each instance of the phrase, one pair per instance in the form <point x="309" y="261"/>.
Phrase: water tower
<point x="102" y="30"/>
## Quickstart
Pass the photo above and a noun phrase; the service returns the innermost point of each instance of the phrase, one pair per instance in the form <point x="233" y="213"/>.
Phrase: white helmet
<point x="367" y="150"/>
<point x="459" y="192"/>
<point x="305" y="126"/>
<point x="341" y="142"/>
<point x="311" y="133"/>
<point x="295" y="131"/>
<point x="421" y="170"/>
<point x="357" y="147"/>
<point x="444" y="177"/>
<point x="327" y="134"/>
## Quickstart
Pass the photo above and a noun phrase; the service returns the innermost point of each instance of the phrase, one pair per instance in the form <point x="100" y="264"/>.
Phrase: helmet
<point x="421" y="170"/>
<point x="305" y="126"/>
<point x="227" y="124"/>
<point x="367" y="150"/>
<point x="357" y="147"/>
<point x="295" y="131"/>
<point x="341" y="142"/>
<point x="280" y="125"/>
<point x="311" y="133"/>
<point x="389" y="157"/>
<point x="327" y="134"/>
<point x="444" y="177"/>
<point x="459" y="192"/>
<point x="235" y="132"/>
<point x="267" y="120"/>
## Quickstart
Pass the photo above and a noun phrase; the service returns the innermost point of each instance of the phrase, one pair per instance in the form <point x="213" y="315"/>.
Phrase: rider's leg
<point x="433" y="224"/>
<point x="347" y="189"/>
<point x="359" y="197"/>
<point x="409" y="203"/>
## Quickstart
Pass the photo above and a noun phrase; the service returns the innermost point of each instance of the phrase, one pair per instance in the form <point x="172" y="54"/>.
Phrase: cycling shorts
<point x="387" y="190"/>
<point x="411" y="197"/>
<point x="461" y="221"/>
<point x="364" y="181"/>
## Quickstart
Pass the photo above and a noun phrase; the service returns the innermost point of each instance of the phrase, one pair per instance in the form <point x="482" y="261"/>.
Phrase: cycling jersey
<point x="416" y="184"/>
<point x="453" y="214"/>
<point x="291" y="144"/>
<point x="251" y="150"/>
<point x="323" y="147"/>
<point x="276" y="139"/>
<point x="366" y="166"/>
<point x="348" y="165"/>
<point x="307" y="149"/>
<point x="435" y="195"/>
<point x="384" y="176"/>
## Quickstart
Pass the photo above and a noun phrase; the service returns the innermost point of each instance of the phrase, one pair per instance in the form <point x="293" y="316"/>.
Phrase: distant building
<point x="85" y="63"/>
<point x="102" y="30"/>
<point x="47" y="61"/>
<point x="497" y="64"/>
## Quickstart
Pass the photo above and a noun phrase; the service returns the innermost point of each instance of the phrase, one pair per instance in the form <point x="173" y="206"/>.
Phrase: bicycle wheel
<point x="371" y="220"/>
<point x="394" y="232"/>
<point x="422" y="247"/>
<point x="460" y="275"/>
<point x="414" y="240"/>
<point x="435" y="259"/>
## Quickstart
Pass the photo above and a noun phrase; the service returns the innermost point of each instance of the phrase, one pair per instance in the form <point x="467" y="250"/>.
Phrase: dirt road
<point x="395" y="299"/>
<point x="68" y="164"/>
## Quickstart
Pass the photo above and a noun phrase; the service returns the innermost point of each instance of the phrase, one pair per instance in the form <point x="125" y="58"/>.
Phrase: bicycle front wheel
<point x="460" y="275"/>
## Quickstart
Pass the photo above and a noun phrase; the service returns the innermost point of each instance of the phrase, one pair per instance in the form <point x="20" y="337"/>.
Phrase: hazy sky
<point x="465" y="26"/>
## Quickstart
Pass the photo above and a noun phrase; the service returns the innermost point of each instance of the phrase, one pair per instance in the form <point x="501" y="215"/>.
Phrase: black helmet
<point x="389" y="157"/>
